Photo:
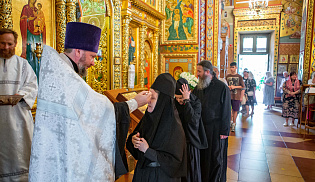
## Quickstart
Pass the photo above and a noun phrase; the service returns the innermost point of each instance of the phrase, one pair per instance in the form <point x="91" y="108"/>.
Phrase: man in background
<point x="216" y="114"/>
<point x="16" y="122"/>
<point x="236" y="85"/>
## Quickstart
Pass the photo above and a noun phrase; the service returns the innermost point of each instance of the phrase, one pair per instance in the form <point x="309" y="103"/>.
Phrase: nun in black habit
<point x="189" y="110"/>
<point x="216" y="114"/>
<point x="158" y="142"/>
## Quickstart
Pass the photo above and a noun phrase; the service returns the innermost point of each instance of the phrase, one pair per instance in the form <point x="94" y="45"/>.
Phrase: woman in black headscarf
<point x="158" y="141"/>
<point x="189" y="110"/>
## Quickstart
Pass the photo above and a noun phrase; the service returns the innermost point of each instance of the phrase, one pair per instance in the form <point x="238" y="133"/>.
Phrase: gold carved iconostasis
<point x="140" y="41"/>
<point x="130" y="35"/>
<point x="98" y="13"/>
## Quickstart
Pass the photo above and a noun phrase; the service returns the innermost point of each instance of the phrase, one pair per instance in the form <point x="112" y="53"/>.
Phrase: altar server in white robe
<point x="16" y="122"/>
<point x="79" y="134"/>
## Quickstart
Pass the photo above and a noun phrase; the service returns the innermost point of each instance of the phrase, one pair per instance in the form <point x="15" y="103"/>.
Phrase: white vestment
<point x="75" y="129"/>
<point x="16" y="122"/>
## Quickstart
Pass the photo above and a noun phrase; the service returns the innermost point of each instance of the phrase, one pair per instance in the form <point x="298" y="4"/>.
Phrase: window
<point x="255" y="44"/>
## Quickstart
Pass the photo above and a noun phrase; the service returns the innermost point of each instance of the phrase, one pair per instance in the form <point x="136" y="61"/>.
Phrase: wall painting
<point x="181" y="23"/>
<point x="33" y="21"/>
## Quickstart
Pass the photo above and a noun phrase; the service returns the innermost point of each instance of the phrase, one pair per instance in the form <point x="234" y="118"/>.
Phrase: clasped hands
<point x="140" y="143"/>
<point x="292" y="93"/>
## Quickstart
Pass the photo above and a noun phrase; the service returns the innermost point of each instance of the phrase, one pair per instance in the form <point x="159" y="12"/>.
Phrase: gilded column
<point x="125" y="52"/>
<point x="156" y="54"/>
<point x="60" y="24"/>
<point x="143" y="31"/>
<point x="117" y="43"/>
<point x="6" y="14"/>
<point x="71" y="11"/>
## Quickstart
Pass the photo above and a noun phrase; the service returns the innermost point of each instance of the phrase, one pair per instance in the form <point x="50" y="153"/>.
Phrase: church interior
<point x="141" y="39"/>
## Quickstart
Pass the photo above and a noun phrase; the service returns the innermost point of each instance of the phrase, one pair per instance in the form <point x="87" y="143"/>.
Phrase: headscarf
<point x="296" y="85"/>
<point x="162" y="130"/>
<point x="179" y="83"/>
<point x="268" y="75"/>
<point x="250" y="75"/>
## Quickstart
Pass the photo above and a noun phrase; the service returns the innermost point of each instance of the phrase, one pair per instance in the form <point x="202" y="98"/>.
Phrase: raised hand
<point x="185" y="91"/>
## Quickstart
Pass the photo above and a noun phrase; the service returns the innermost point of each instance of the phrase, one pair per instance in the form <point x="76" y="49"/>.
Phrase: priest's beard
<point x="7" y="53"/>
<point x="204" y="82"/>
<point x="81" y="66"/>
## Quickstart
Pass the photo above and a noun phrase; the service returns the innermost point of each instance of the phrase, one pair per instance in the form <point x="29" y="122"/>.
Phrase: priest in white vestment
<point x="16" y="122"/>
<point x="77" y="135"/>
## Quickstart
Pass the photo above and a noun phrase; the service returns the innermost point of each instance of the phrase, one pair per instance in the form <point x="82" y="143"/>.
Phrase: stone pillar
<point x="125" y="52"/>
<point x="156" y="53"/>
<point x="6" y="14"/>
<point x="60" y="25"/>
<point x="143" y="30"/>
<point x="71" y="11"/>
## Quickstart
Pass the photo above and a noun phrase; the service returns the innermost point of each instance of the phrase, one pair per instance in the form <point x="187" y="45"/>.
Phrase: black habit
<point x="196" y="139"/>
<point x="165" y="159"/>
<point x="216" y="115"/>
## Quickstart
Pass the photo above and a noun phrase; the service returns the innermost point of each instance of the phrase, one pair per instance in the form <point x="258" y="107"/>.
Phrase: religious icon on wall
<point x="283" y="59"/>
<point x="132" y="46"/>
<point x="181" y="22"/>
<point x="293" y="67"/>
<point x="225" y="28"/>
<point x="33" y="31"/>
<point x="177" y="71"/>
<point x="282" y="68"/>
<point x="291" y="19"/>
<point x="294" y="58"/>
<point x="147" y="73"/>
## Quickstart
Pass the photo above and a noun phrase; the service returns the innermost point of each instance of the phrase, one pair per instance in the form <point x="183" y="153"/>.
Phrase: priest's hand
<point x="143" y="146"/>
<point x="185" y="91"/>
<point x="143" y="98"/>
<point x="136" y="140"/>
<point x="223" y="137"/>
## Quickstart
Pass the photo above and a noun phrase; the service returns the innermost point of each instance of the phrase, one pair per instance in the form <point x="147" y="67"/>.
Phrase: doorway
<point x="254" y="55"/>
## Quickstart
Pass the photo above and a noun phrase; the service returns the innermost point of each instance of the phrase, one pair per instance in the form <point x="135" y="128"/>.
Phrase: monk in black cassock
<point x="189" y="110"/>
<point x="216" y="114"/>
<point x="158" y="142"/>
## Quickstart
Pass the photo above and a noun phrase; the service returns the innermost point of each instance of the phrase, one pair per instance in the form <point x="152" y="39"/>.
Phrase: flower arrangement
<point x="192" y="80"/>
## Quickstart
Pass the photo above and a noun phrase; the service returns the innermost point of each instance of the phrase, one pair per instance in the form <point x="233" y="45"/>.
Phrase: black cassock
<point x="122" y="116"/>
<point x="216" y="115"/>
<point x="165" y="159"/>
<point x="196" y="139"/>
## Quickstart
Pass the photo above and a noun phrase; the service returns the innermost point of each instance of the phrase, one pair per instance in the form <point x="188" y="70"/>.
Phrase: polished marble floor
<point x="262" y="149"/>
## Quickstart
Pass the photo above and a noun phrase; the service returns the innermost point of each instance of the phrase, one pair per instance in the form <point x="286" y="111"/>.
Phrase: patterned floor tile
<point x="280" y="177"/>
<point x="254" y="175"/>
<point x="302" y="153"/>
<point x="280" y="159"/>
<point x="277" y="150"/>
<point x="284" y="169"/>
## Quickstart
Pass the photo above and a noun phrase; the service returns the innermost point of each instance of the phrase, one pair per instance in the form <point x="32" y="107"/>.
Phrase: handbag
<point x="250" y="93"/>
<point x="244" y="99"/>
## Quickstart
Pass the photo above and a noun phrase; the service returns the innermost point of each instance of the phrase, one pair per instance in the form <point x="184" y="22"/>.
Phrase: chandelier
<point x="257" y="5"/>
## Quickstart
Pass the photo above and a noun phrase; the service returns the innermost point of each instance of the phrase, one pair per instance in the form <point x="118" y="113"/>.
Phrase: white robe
<point x="75" y="128"/>
<point x="16" y="123"/>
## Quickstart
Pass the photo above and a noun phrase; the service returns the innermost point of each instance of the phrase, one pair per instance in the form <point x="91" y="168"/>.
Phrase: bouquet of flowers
<point x="192" y="80"/>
